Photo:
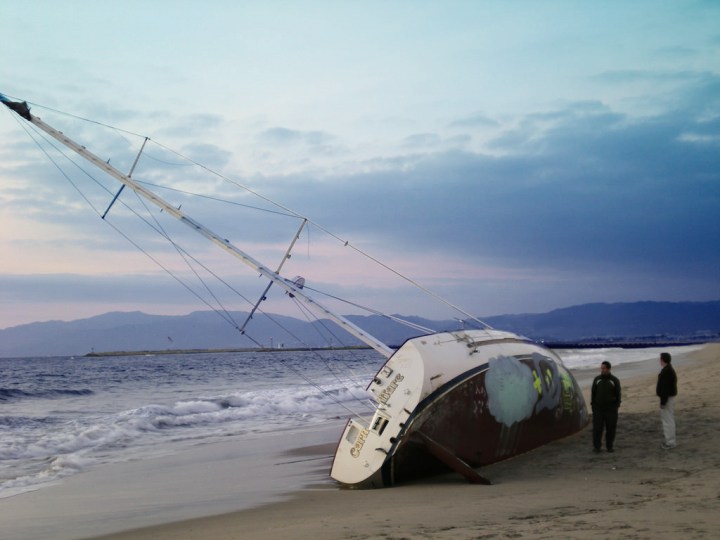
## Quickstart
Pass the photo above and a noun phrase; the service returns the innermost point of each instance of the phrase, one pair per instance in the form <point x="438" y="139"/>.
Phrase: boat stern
<point x="366" y="443"/>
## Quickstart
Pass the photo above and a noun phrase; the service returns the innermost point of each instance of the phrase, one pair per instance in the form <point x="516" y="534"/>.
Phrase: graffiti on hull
<point x="520" y="387"/>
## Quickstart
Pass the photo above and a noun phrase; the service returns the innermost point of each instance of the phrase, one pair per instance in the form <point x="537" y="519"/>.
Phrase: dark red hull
<point x="488" y="417"/>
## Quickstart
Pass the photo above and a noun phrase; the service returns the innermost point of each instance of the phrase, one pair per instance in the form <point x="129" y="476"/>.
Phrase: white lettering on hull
<point x="390" y="389"/>
<point x="359" y="442"/>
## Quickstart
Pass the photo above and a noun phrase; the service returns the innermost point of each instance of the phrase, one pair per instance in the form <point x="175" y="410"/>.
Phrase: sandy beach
<point x="560" y="490"/>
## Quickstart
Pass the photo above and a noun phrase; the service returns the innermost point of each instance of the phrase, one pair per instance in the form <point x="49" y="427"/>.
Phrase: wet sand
<point x="559" y="490"/>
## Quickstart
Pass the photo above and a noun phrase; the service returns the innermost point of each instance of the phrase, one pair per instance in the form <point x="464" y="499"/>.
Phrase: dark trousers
<point x="604" y="419"/>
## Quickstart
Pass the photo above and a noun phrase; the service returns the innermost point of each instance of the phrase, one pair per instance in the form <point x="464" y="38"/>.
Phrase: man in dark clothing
<point x="605" y="400"/>
<point x="667" y="390"/>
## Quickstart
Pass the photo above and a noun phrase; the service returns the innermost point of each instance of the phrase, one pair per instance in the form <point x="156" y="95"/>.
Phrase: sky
<point x="513" y="157"/>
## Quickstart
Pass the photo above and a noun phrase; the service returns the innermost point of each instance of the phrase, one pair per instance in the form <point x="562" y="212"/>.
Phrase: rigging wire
<point x="88" y="120"/>
<point x="230" y="319"/>
<point x="328" y="393"/>
<point x="374" y="311"/>
<point x="345" y="243"/>
<point x="184" y="255"/>
<point x="180" y="252"/>
<point x="309" y="316"/>
<point x="32" y="135"/>
<point x="216" y="199"/>
<point x="135" y="244"/>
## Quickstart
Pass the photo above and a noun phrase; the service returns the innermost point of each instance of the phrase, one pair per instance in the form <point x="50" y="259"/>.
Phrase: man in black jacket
<point x="605" y="398"/>
<point x="667" y="390"/>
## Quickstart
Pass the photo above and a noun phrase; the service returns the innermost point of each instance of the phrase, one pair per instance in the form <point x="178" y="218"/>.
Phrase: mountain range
<point x="136" y="331"/>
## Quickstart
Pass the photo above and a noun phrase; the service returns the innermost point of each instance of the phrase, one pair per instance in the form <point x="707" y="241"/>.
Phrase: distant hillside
<point x="639" y="319"/>
<point x="137" y="331"/>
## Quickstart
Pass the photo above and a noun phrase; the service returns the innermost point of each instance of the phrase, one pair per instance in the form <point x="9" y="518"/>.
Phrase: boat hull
<point x="480" y="429"/>
<point x="459" y="404"/>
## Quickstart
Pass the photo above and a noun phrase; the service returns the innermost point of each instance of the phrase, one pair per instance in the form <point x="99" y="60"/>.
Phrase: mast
<point x="22" y="109"/>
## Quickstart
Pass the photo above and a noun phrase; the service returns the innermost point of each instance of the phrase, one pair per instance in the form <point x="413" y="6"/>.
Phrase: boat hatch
<point x="379" y="422"/>
<point x="352" y="434"/>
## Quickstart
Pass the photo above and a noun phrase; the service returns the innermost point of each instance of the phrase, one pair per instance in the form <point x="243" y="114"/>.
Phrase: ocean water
<point x="61" y="416"/>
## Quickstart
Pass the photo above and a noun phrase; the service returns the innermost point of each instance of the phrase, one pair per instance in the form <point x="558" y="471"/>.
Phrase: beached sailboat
<point x="453" y="400"/>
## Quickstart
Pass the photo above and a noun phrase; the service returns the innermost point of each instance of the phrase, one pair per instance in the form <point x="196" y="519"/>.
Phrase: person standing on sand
<point x="667" y="390"/>
<point x="605" y="398"/>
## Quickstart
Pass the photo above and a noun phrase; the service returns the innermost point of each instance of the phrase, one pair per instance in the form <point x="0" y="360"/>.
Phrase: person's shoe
<point x="666" y="446"/>
<point x="596" y="450"/>
<point x="610" y="449"/>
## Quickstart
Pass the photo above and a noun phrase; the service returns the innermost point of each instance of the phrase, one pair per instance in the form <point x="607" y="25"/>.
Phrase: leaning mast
<point x="22" y="109"/>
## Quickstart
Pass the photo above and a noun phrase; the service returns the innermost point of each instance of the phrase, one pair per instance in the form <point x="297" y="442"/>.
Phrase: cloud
<point x="190" y="126"/>
<point x="580" y="202"/>
<point x="288" y="137"/>
<point x="581" y="188"/>
<point x="209" y="155"/>
<point x="653" y="76"/>
<point x="422" y="139"/>
<point x="433" y="141"/>
<point x="64" y="288"/>
<point x="680" y="52"/>
<point x="476" y="120"/>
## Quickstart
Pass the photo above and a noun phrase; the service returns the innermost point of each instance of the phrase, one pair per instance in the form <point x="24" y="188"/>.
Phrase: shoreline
<point x="560" y="489"/>
<point x="204" y="480"/>
<point x="561" y="345"/>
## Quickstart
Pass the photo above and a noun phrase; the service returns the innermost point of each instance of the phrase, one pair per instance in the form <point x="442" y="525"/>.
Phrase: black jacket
<point x="605" y="392"/>
<point x="666" y="384"/>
